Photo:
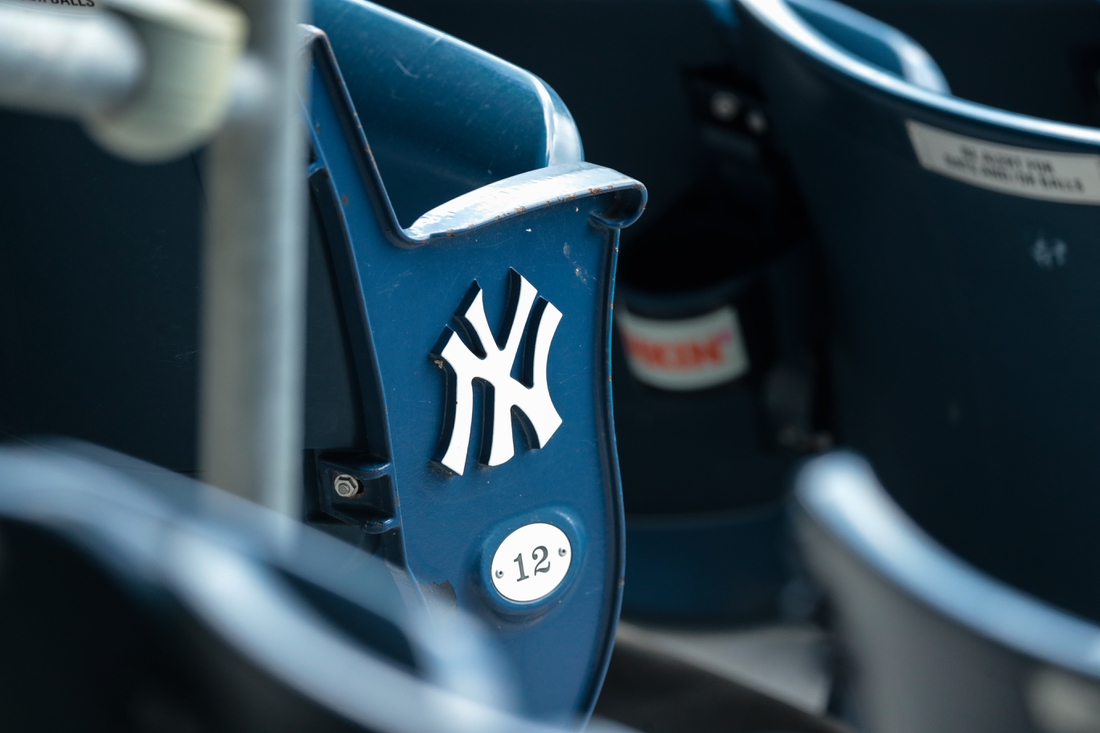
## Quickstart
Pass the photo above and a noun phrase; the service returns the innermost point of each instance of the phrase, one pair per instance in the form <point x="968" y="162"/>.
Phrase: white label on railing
<point x="684" y="354"/>
<point x="1037" y="174"/>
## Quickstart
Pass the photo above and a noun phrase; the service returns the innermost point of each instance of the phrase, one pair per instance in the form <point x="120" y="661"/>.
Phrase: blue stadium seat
<point x="927" y="642"/>
<point x="484" y="464"/>
<point x="714" y="272"/>
<point x="138" y="599"/>
<point x="956" y="242"/>
<point x="458" y="407"/>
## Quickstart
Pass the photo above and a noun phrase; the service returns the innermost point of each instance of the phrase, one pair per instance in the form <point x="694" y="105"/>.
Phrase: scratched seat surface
<point x="412" y="85"/>
<point x="958" y="244"/>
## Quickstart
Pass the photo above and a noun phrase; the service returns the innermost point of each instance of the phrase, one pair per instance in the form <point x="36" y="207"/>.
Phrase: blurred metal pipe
<point x="66" y="64"/>
<point x="254" y="278"/>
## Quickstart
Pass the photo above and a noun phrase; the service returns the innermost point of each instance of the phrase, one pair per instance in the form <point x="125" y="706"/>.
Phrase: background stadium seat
<point x="955" y="239"/>
<point x="926" y="641"/>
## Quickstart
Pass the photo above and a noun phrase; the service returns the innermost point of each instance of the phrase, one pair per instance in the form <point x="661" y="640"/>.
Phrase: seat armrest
<point x="442" y="116"/>
<point x="874" y="42"/>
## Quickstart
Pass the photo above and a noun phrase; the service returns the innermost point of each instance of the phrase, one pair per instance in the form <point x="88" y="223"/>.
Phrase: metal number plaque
<point x="531" y="562"/>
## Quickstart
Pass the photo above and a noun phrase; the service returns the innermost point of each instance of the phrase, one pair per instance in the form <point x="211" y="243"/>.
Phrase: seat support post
<point x="253" y="324"/>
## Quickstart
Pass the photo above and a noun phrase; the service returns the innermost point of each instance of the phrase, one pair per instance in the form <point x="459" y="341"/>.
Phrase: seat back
<point x="482" y="455"/>
<point x="443" y="117"/>
<point x="155" y="601"/>
<point x="926" y="641"/>
<point x="955" y="241"/>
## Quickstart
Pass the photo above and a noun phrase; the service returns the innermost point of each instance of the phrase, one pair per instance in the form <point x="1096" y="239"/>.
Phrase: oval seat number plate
<point x="531" y="562"/>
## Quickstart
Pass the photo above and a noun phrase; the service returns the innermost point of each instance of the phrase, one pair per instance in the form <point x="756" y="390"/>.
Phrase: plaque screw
<point x="561" y="552"/>
<point x="756" y="122"/>
<point x="347" y="486"/>
<point x="724" y="106"/>
<point x="499" y="573"/>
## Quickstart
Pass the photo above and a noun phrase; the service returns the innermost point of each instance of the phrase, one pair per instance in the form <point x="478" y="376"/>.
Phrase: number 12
<point x="542" y="565"/>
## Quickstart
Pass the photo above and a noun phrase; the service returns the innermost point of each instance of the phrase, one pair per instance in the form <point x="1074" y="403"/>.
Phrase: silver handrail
<point x="254" y="279"/>
<point x="67" y="64"/>
<point x="152" y="81"/>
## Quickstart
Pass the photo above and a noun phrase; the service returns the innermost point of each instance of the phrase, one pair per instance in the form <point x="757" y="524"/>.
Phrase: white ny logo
<point x="504" y="396"/>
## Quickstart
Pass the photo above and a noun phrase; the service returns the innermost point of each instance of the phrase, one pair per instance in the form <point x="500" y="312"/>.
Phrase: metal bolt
<point x="756" y="122"/>
<point x="561" y="552"/>
<point x="500" y="573"/>
<point x="347" y="486"/>
<point x="724" y="106"/>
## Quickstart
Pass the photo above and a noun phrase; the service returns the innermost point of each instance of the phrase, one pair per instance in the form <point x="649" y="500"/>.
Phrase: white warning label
<point x="1037" y="174"/>
<point x="54" y="4"/>
<point x="65" y="7"/>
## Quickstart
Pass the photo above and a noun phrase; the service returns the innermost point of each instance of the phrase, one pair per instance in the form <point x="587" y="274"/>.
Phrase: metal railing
<point x="152" y="80"/>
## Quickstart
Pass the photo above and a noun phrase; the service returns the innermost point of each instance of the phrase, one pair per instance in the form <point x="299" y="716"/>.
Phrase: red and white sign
<point x="687" y="353"/>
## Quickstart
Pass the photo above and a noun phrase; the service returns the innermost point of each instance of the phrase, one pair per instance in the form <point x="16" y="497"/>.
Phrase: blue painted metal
<point x="929" y="642"/>
<point x="964" y="338"/>
<point x="400" y="287"/>
<point x="715" y="446"/>
<point x="443" y="117"/>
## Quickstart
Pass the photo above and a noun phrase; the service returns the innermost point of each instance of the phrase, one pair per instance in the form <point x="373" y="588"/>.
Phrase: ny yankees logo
<point x="505" y="396"/>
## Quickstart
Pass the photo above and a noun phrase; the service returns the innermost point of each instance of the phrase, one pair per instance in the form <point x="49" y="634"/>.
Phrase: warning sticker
<point x="1037" y="174"/>
<point x="684" y="354"/>
<point x="63" y="5"/>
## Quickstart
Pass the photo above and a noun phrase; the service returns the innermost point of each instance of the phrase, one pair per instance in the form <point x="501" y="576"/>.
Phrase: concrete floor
<point x="784" y="661"/>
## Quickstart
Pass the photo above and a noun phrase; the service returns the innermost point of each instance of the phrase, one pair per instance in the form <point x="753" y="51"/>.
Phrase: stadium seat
<point x="717" y="268"/>
<point x="138" y="599"/>
<point x="457" y="370"/>
<point x="927" y="642"/>
<point x="714" y="375"/>
<point x="494" y="482"/>
<point x="956" y="244"/>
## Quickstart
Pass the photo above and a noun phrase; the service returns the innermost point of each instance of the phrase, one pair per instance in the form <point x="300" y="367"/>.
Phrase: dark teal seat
<point x="704" y="523"/>
<point x="1035" y="57"/>
<point x="957" y="242"/>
